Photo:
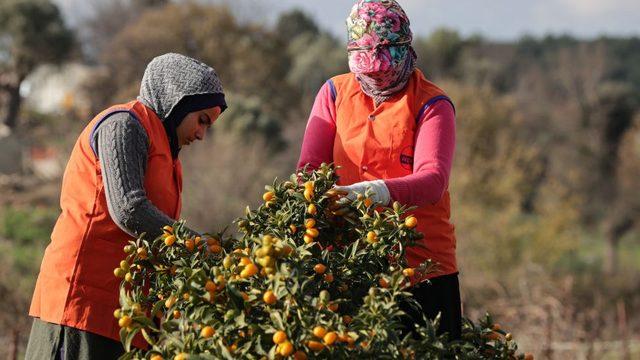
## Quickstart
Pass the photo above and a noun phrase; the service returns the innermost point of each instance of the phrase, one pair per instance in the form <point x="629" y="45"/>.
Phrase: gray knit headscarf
<point x="174" y="85"/>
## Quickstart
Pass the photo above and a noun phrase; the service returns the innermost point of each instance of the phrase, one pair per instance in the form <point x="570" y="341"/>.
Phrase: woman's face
<point x="195" y="125"/>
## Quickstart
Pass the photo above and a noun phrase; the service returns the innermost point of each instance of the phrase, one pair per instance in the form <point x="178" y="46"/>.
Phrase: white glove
<point x="380" y="191"/>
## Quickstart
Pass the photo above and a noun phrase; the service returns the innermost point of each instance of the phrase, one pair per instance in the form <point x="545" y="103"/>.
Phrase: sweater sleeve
<point x="121" y="144"/>
<point x="317" y="144"/>
<point x="433" y="158"/>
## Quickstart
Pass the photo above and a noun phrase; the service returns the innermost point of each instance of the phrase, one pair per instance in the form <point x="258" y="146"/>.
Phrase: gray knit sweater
<point x="121" y="142"/>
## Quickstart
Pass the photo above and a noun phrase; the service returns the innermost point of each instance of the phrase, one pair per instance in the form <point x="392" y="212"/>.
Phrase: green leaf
<point x="146" y="322"/>
<point x="276" y="318"/>
<point x="235" y="296"/>
<point x="126" y="337"/>
<point x="147" y="337"/>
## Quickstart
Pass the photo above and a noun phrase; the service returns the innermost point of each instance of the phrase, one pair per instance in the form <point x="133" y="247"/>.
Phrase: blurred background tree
<point x="440" y="53"/>
<point x="32" y="32"/>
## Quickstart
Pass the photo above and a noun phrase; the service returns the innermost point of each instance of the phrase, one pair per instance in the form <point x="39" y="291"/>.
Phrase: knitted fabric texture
<point x="171" y="77"/>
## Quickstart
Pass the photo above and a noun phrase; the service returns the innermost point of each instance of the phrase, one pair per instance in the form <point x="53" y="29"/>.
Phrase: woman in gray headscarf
<point x="123" y="179"/>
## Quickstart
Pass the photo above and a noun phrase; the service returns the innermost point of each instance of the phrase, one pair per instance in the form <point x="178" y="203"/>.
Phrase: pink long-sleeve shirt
<point x="435" y="139"/>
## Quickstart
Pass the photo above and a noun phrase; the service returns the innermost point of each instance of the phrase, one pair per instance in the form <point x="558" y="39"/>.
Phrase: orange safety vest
<point x="378" y="143"/>
<point x="76" y="286"/>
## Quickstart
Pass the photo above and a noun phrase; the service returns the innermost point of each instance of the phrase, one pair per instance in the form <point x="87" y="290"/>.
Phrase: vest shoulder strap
<point x="107" y="114"/>
<point x="332" y="87"/>
<point x="432" y="101"/>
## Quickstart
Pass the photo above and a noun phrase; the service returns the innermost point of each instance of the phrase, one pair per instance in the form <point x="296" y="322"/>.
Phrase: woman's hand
<point x="380" y="193"/>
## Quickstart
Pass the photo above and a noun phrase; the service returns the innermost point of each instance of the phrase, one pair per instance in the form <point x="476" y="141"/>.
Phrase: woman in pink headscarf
<point x="392" y="131"/>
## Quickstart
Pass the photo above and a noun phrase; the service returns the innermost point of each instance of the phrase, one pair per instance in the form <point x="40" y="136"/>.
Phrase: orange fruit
<point x="176" y="314"/>
<point x="249" y="271"/>
<point x="300" y="355"/>
<point x="189" y="244"/>
<point x="408" y="272"/>
<point x="268" y="196"/>
<point x="207" y="332"/>
<point x="125" y="321"/>
<point x="330" y="338"/>
<point x="245" y="261"/>
<point x="156" y="357"/>
<point x="293" y="228"/>
<point x="181" y="356"/>
<point x="308" y="194"/>
<point x="310" y="223"/>
<point x="368" y="202"/>
<point x="169" y="240"/>
<point x="267" y="240"/>
<point x="119" y="272"/>
<point x="328" y="277"/>
<point x="285" y="349"/>
<point x="319" y="331"/>
<point x="168" y="229"/>
<point x="347" y="319"/>
<point x="311" y="209"/>
<point x="372" y="237"/>
<point x="267" y="261"/>
<point x="308" y="239"/>
<point x="333" y="307"/>
<point x="313" y="232"/>
<point x="269" y="297"/>
<point x="170" y="301"/>
<point x="287" y="250"/>
<point x="315" y="345"/>
<point x="383" y="283"/>
<point x="411" y="222"/>
<point x="309" y="185"/>
<point x="215" y="249"/>
<point x="227" y="262"/>
<point x="319" y="268"/>
<point x="279" y="337"/>
<point x="262" y="251"/>
<point x="221" y="281"/>
<point x="210" y="286"/>
<point x="142" y="253"/>
<point x="346" y="338"/>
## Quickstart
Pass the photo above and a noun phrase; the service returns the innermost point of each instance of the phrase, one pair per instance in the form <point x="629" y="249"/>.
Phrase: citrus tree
<point x="314" y="275"/>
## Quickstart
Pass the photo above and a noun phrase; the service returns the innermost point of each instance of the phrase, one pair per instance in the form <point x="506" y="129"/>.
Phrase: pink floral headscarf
<point x="379" y="45"/>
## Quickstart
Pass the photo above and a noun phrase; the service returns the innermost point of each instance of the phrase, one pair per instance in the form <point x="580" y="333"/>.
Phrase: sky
<point x="494" y="19"/>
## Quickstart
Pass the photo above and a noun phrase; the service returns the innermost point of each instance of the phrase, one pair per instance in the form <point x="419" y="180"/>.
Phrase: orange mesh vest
<point x="76" y="286"/>
<point x="378" y="143"/>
